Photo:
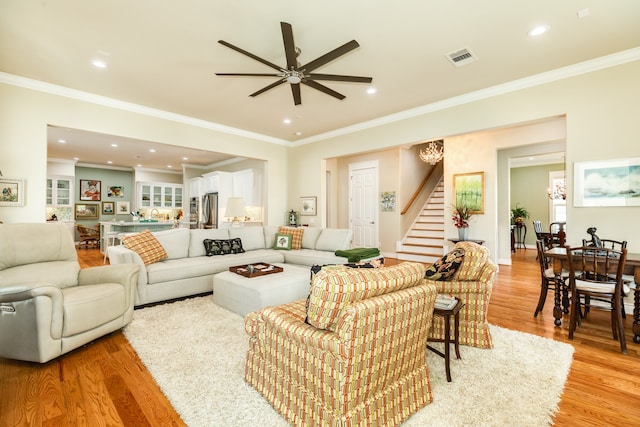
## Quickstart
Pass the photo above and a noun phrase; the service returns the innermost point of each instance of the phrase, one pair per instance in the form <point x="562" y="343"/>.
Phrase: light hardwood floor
<point x="104" y="383"/>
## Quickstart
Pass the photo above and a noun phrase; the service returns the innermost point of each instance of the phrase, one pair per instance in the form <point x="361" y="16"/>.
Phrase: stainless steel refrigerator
<point x="210" y="210"/>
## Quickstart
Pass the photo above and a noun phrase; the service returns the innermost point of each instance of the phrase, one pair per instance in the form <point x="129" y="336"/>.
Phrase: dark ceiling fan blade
<point x="295" y="90"/>
<point x="250" y="55"/>
<point x="323" y="88"/>
<point x="289" y="46"/>
<point x="328" y="57"/>
<point x="249" y="74"/>
<point x="338" y="78"/>
<point x="266" y="88"/>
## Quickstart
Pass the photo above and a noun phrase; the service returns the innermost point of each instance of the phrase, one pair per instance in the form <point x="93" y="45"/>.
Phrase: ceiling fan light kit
<point x="296" y="74"/>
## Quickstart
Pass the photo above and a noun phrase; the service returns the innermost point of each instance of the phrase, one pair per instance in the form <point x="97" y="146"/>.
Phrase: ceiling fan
<point x="296" y="74"/>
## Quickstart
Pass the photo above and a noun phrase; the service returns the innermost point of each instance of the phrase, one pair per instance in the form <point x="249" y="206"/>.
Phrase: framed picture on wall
<point x="108" y="208"/>
<point x="468" y="190"/>
<point x="90" y="190"/>
<point x="11" y="192"/>
<point x="122" y="208"/>
<point x="612" y="182"/>
<point x="115" y="191"/>
<point x="86" y="210"/>
<point x="307" y="206"/>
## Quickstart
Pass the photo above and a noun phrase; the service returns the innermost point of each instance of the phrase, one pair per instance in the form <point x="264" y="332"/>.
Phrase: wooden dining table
<point x="561" y="301"/>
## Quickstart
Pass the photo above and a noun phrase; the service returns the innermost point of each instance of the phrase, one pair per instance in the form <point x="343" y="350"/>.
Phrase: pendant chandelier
<point x="433" y="152"/>
<point x="559" y="186"/>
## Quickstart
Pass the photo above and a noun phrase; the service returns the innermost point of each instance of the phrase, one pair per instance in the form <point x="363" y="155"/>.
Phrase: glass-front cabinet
<point x="59" y="191"/>
<point x="159" y="195"/>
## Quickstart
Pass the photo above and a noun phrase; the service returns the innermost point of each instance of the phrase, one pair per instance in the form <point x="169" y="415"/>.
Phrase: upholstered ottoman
<point x="243" y="295"/>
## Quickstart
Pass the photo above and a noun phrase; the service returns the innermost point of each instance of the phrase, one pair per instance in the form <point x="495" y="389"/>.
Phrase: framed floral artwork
<point x="90" y="190"/>
<point x="108" y="208"/>
<point x="307" y="206"/>
<point x="115" y="191"/>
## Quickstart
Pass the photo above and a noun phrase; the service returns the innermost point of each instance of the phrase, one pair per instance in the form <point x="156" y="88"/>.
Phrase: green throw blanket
<point x="356" y="254"/>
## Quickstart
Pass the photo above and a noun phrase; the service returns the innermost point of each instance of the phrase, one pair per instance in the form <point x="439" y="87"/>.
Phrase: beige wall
<point x="25" y="114"/>
<point x="601" y="123"/>
<point x="597" y="114"/>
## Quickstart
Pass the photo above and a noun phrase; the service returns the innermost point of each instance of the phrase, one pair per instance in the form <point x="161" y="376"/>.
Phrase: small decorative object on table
<point x="255" y="270"/>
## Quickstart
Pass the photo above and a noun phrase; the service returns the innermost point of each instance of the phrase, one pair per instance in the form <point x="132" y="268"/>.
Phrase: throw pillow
<point x="225" y="246"/>
<point x="212" y="247"/>
<point x="283" y="241"/>
<point x="446" y="266"/>
<point x="296" y="233"/>
<point x="145" y="245"/>
<point x="236" y="245"/>
<point x="334" y="290"/>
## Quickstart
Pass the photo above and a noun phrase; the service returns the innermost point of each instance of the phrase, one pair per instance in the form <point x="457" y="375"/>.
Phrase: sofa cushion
<point x="446" y="266"/>
<point x="475" y="256"/>
<point x="252" y="237"/>
<point x="310" y="236"/>
<point x="145" y="245"/>
<point x="196" y="244"/>
<point x="332" y="291"/>
<point x="270" y="235"/>
<point x="175" y="242"/>
<point x="283" y="241"/>
<point x="296" y="233"/>
<point x="332" y="239"/>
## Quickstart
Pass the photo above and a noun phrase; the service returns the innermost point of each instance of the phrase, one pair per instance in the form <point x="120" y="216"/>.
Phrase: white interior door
<point x="363" y="204"/>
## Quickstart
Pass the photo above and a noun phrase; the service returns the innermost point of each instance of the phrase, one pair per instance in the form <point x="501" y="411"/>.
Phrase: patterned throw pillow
<point x="296" y="233"/>
<point x="236" y="245"/>
<point x="146" y="245"/>
<point x="446" y="266"/>
<point x="333" y="290"/>
<point x="212" y="247"/>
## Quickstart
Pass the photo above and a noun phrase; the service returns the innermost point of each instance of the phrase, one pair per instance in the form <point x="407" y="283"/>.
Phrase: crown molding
<point x="79" y="95"/>
<point x="597" y="64"/>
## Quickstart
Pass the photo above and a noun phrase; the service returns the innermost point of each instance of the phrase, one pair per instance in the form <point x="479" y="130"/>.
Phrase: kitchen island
<point x="107" y="227"/>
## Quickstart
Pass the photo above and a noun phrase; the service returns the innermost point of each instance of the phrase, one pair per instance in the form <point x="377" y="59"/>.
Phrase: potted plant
<point x="460" y="217"/>
<point x="519" y="214"/>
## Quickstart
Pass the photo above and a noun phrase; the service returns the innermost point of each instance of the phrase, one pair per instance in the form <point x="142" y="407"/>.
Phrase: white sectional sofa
<point x="188" y="271"/>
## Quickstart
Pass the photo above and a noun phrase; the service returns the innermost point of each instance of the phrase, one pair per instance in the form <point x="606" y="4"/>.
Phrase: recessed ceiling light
<point x="76" y="158"/>
<point x="286" y="121"/>
<point x="99" y="63"/>
<point x="62" y="141"/>
<point x="110" y="162"/>
<point x="298" y="133"/>
<point x="185" y="158"/>
<point x="138" y="165"/>
<point x="371" y="90"/>
<point x="539" y="30"/>
<point x="152" y="150"/>
<point x="169" y="166"/>
<point x="114" y="145"/>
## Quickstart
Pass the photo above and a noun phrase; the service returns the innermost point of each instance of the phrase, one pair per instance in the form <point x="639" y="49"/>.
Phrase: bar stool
<point x="110" y="240"/>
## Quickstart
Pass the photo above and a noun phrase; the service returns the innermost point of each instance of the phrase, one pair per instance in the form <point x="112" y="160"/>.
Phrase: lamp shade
<point x="235" y="207"/>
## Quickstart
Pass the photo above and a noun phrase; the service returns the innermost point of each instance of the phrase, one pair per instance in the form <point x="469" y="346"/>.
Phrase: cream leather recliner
<point x="48" y="305"/>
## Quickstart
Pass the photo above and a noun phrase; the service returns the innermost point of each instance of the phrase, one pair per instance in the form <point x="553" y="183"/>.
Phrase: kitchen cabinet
<point x="159" y="195"/>
<point x="196" y="187"/>
<point x="218" y="182"/>
<point x="247" y="184"/>
<point x="60" y="191"/>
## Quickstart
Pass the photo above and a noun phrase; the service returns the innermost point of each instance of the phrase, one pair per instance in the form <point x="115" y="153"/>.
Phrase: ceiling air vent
<point x="461" y="57"/>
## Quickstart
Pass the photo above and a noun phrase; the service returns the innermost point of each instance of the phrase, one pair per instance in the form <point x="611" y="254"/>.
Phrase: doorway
<point x="363" y="206"/>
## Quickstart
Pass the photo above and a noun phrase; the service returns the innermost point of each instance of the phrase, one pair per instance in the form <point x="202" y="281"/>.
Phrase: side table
<point x="447" y="313"/>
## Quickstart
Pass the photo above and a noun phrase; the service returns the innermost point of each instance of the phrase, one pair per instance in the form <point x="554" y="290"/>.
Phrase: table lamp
<point x="235" y="210"/>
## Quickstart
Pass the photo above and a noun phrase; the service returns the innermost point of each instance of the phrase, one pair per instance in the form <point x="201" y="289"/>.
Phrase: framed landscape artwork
<point x="86" y="210"/>
<point x="614" y="182"/>
<point x="468" y="190"/>
<point x="11" y="192"/>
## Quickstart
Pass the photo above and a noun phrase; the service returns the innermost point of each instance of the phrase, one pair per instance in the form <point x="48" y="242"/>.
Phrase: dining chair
<point x="595" y="275"/>
<point x="558" y="232"/>
<point x="549" y="281"/>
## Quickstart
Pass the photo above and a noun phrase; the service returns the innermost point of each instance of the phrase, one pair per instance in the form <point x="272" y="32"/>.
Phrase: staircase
<point x="424" y="241"/>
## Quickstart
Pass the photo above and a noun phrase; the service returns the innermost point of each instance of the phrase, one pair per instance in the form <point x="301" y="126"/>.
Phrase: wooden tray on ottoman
<point x="259" y="269"/>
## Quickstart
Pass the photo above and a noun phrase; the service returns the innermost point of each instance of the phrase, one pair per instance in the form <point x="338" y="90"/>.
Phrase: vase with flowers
<point x="461" y="215"/>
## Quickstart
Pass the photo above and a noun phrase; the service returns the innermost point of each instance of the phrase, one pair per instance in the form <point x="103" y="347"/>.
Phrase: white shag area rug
<point x="195" y="350"/>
